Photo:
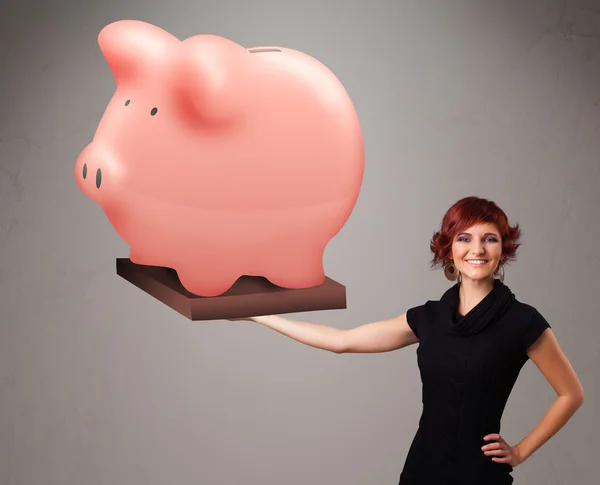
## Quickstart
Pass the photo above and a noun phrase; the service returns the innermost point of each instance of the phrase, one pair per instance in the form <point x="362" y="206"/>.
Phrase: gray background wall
<point x="101" y="384"/>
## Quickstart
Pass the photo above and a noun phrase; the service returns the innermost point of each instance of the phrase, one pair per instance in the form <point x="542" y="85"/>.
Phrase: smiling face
<point x="477" y="251"/>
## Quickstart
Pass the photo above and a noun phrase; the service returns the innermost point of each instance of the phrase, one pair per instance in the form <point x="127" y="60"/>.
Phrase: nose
<point x="94" y="173"/>
<point x="478" y="248"/>
<point x="84" y="173"/>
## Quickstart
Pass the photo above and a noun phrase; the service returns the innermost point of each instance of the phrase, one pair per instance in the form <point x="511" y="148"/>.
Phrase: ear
<point x="131" y="45"/>
<point x="212" y="76"/>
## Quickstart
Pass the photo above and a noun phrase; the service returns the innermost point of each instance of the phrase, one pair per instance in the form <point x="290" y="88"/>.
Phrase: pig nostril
<point x="154" y="111"/>
<point x="127" y="102"/>
<point x="98" y="178"/>
<point x="84" y="170"/>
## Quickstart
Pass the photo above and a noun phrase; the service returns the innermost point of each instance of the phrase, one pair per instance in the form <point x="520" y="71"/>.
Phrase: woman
<point x="473" y="342"/>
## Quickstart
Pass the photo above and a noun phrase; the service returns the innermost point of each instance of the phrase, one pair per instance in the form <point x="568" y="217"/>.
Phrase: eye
<point x="462" y="239"/>
<point x="98" y="178"/>
<point x="84" y="170"/>
<point x="492" y="239"/>
<point x="127" y="102"/>
<point x="154" y="111"/>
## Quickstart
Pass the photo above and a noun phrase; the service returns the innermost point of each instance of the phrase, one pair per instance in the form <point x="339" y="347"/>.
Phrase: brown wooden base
<point x="249" y="296"/>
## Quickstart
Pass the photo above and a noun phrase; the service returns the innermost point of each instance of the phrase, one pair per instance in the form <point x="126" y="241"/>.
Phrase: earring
<point x="450" y="272"/>
<point x="501" y="274"/>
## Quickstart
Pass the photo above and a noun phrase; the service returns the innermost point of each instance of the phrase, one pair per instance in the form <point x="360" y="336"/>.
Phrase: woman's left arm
<point x="547" y="355"/>
<point x="549" y="358"/>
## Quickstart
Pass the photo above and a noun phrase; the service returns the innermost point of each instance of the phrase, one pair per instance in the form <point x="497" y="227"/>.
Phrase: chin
<point x="477" y="276"/>
<point x="480" y="277"/>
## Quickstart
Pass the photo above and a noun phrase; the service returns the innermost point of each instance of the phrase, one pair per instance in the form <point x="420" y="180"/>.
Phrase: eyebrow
<point x="486" y="234"/>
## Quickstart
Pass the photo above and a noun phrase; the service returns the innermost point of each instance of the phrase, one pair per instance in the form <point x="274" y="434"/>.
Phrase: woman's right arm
<point x="382" y="336"/>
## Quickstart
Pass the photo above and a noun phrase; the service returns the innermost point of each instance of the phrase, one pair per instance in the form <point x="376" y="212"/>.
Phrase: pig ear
<point x="130" y="45"/>
<point x="212" y="75"/>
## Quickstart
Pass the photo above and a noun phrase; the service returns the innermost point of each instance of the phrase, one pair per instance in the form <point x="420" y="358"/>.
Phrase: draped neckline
<point x="493" y="306"/>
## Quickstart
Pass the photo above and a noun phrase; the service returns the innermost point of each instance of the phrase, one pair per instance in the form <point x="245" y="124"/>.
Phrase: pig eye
<point x="98" y="178"/>
<point x="84" y="170"/>
<point x="154" y="111"/>
<point x="127" y="102"/>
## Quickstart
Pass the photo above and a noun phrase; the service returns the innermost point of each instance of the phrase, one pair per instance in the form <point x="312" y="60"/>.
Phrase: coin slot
<point x="263" y="49"/>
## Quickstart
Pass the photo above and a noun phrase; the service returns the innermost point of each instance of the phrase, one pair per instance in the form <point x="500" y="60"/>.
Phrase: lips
<point x="477" y="263"/>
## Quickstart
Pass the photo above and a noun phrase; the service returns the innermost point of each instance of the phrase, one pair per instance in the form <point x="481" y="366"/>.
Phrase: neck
<point x="471" y="292"/>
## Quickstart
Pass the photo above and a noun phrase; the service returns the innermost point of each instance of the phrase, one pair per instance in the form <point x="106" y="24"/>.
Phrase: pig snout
<point x="95" y="175"/>
<point x="85" y="171"/>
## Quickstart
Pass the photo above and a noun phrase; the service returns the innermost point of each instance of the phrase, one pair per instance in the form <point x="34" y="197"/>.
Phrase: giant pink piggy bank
<point x="220" y="161"/>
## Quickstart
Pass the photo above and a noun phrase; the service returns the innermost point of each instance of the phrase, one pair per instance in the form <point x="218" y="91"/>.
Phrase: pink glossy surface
<point x="251" y="164"/>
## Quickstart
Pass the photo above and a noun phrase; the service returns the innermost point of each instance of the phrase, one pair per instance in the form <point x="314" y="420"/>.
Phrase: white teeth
<point x="476" y="261"/>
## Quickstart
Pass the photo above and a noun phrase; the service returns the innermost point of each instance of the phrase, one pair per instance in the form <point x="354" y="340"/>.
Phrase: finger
<point x="496" y="453"/>
<point x="491" y="446"/>
<point x="501" y="460"/>
<point x="493" y="436"/>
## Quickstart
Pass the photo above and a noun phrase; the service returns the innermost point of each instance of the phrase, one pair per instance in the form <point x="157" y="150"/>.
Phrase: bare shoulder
<point x="377" y="337"/>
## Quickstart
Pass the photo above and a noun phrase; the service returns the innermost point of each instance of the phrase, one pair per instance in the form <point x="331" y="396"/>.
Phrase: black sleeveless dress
<point x="468" y="367"/>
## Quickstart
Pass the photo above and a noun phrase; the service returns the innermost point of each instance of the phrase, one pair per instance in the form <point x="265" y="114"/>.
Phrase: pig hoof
<point x="202" y="287"/>
<point x="298" y="281"/>
<point x="136" y="257"/>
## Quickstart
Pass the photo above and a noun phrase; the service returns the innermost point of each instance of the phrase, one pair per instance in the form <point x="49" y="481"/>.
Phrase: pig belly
<point x="211" y="249"/>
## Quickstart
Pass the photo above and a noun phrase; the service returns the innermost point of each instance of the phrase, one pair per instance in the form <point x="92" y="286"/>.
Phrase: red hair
<point x="466" y="213"/>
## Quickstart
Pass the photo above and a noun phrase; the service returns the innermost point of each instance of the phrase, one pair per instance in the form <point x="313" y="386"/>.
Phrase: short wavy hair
<point x="466" y="213"/>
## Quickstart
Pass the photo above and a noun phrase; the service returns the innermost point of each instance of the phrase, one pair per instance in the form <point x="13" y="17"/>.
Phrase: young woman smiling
<point x="473" y="342"/>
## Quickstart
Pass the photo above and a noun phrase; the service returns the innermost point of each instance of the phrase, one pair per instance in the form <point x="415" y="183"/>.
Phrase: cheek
<point x="453" y="252"/>
<point x="460" y="250"/>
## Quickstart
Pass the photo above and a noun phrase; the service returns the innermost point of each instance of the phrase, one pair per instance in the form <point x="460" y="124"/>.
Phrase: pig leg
<point x="204" y="278"/>
<point x="137" y="257"/>
<point x="291" y="267"/>
<point x="145" y="258"/>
